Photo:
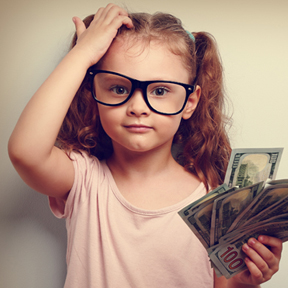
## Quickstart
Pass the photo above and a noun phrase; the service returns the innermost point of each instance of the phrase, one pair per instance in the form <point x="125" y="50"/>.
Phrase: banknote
<point x="229" y="258"/>
<point x="200" y="223"/>
<point x="250" y="203"/>
<point x="227" y="207"/>
<point x="263" y="227"/>
<point x="198" y="214"/>
<point x="189" y="209"/>
<point x="278" y="208"/>
<point x="266" y="198"/>
<point x="249" y="166"/>
<point x="276" y="225"/>
<point x="279" y="181"/>
<point x="200" y="219"/>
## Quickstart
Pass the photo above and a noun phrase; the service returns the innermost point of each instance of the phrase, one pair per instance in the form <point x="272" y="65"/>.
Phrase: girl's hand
<point x="263" y="260"/>
<point x="97" y="38"/>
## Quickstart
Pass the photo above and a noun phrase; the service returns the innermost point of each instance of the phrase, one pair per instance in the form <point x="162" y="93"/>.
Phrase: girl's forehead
<point x="143" y="59"/>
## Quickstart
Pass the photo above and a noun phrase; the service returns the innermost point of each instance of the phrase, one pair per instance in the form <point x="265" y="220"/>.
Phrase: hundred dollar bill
<point x="265" y="199"/>
<point x="186" y="211"/>
<point x="198" y="214"/>
<point x="200" y="222"/>
<point x="227" y="207"/>
<point x="276" y="226"/>
<point x="278" y="208"/>
<point x="200" y="219"/>
<point x="228" y="256"/>
<point x="221" y="256"/>
<point x="249" y="166"/>
<point x="277" y="182"/>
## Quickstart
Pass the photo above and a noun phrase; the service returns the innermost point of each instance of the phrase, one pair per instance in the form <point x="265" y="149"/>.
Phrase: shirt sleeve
<point x="85" y="167"/>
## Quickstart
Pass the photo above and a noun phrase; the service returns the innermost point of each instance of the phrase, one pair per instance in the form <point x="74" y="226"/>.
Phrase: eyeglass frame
<point x="137" y="84"/>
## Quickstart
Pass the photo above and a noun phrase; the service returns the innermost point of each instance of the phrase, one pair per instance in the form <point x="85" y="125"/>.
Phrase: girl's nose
<point x="137" y="105"/>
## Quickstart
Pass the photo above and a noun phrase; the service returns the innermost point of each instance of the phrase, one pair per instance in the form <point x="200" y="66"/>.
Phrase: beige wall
<point x="253" y="41"/>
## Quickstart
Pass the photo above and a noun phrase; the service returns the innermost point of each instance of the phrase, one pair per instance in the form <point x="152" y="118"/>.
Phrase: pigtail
<point x="207" y="149"/>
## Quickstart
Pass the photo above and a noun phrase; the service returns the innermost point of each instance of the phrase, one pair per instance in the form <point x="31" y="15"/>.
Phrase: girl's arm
<point x="42" y="166"/>
<point x="262" y="263"/>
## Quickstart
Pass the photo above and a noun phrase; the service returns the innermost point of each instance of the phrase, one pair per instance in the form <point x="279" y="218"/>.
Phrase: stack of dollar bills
<point x="249" y="203"/>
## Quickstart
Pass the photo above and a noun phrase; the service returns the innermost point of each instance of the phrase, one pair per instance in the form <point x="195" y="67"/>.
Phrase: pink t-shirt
<point x="113" y="244"/>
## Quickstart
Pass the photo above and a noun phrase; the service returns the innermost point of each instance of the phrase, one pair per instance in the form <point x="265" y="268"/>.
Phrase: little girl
<point x="146" y="85"/>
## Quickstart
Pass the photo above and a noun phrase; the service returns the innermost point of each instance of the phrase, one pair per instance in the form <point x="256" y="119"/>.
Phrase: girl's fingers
<point x="275" y="245"/>
<point x="128" y="22"/>
<point x="255" y="272"/>
<point x="110" y="19"/>
<point x="97" y="38"/>
<point x="268" y="248"/>
<point x="258" y="266"/>
<point x="262" y="261"/>
<point x="110" y="15"/>
<point x="111" y="12"/>
<point x="98" y="14"/>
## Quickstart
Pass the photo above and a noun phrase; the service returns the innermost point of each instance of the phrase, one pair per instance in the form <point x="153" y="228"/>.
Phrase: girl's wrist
<point x="79" y="58"/>
<point x="86" y="58"/>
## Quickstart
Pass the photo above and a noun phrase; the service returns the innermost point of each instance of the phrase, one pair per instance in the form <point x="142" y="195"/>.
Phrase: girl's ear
<point x="191" y="103"/>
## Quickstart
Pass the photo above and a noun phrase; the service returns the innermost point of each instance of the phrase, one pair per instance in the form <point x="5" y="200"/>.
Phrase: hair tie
<point x="190" y="35"/>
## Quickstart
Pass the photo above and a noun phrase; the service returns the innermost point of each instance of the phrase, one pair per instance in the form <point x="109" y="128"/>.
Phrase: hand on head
<point x="97" y="38"/>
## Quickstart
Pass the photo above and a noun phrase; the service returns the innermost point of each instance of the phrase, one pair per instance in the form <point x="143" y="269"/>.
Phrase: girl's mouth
<point x="138" y="128"/>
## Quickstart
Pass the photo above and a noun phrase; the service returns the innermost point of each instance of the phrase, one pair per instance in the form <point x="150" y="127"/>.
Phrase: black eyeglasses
<point x="163" y="97"/>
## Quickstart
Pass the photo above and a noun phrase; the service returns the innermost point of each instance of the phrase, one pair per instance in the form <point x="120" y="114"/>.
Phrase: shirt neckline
<point x="196" y="194"/>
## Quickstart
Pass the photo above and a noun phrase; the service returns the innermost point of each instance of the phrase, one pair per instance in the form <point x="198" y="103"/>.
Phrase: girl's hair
<point x="204" y="145"/>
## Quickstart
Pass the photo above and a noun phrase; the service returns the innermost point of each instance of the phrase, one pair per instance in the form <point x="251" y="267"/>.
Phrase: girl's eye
<point x="119" y="90"/>
<point x="160" y="91"/>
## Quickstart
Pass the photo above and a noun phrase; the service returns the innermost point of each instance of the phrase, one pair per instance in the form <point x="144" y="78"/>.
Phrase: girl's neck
<point x="140" y="164"/>
<point x="151" y="180"/>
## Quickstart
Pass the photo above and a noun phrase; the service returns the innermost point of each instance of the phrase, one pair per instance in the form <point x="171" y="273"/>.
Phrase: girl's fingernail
<point x="245" y="247"/>
<point x="252" y="241"/>
<point x="261" y="238"/>
<point x="247" y="260"/>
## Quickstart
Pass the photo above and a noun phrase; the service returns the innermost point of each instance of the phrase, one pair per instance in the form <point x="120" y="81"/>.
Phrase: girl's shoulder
<point x="83" y="158"/>
<point x="85" y="164"/>
<point x="89" y="174"/>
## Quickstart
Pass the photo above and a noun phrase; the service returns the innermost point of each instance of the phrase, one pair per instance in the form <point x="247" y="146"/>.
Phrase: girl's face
<point x="133" y="126"/>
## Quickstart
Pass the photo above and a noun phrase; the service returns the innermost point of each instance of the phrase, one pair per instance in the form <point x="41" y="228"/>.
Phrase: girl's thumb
<point x="79" y="25"/>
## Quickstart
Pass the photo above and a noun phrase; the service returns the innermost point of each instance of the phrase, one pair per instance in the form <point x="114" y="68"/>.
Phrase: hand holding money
<point x="263" y="259"/>
<point x="224" y="219"/>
